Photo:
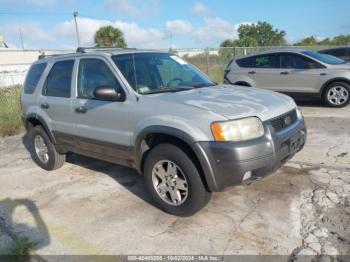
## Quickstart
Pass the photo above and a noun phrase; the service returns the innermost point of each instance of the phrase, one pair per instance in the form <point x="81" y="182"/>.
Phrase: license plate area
<point x="291" y="146"/>
<point x="296" y="142"/>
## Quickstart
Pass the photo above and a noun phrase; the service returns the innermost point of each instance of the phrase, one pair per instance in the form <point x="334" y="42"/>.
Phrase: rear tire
<point x="337" y="94"/>
<point x="43" y="151"/>
<point x="180" y="192"/>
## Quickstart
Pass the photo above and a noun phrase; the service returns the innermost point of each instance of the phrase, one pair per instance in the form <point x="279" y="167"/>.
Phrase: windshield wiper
<point x="199" y="85"/>
<point x="165" y="90"/>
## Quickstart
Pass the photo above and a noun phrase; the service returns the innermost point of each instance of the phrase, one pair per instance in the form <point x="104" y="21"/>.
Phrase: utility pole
<point x="75" y="14"/>
<point x="20" y="35"/>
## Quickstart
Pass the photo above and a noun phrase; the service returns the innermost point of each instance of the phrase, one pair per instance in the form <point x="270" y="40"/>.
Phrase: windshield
<point x="328" y="59"/>
<point x="150" y="73"/>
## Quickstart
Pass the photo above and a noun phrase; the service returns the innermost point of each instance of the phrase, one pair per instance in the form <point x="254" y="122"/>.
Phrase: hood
<point x="234" y="102"/>
<point x="341" y="66"/>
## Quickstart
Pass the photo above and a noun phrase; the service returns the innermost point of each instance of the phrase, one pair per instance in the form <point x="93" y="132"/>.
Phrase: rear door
<point x="264" y="71"/>
<point x="55" y="102"/>
<point x="299" y="74"/>
<point x="101" y="127"/>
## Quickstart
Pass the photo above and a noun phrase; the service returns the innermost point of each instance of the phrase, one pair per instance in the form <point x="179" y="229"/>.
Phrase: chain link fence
<point x="212" y="61"/>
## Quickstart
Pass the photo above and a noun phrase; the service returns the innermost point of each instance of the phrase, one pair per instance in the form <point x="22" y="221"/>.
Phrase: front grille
<point x="281" y="122"/>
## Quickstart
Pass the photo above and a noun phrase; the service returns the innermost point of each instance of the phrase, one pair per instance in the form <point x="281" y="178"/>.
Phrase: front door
<point x="299" y="74"/>
<point x="101" y="127"/>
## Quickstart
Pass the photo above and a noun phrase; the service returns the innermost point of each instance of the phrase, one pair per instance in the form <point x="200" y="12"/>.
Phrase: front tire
<point x="173" y="181"/>
<point x="337" y="94"/>
<point x="43" y="151"/>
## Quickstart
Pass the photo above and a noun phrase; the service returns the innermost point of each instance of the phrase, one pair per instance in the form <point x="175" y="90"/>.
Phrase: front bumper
<point x="229" y="161"/>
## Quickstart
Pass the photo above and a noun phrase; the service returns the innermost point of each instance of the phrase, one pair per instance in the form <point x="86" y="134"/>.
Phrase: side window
<point x="337" y="52"/>
<point x="33" y="77"/>
<point x="293" y="61"/>
<point x="265" y="61"/>
<point x="93" y="73"/>
<point x="58" y="82"/>
<point x="245" y="62"/>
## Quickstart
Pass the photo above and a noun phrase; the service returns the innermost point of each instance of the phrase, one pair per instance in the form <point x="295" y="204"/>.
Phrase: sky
<point x="164" y="23"/>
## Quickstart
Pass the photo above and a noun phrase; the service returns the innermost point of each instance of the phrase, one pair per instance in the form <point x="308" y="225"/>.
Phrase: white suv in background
<point x="295" y="72"/>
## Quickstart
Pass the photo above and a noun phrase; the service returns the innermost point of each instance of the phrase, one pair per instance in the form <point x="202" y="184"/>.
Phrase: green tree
<point x="260" y="34"/>
<point x="325" y="42"/>
<point x="109" y="36"/>
<point x="341" y="40"/>
<point x="308" y="41"/>
<point x="228" y="43"/>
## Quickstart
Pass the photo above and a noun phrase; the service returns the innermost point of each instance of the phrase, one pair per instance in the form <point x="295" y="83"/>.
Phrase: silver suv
<point x="294" y="72"/>
<point x="156" y="113"/>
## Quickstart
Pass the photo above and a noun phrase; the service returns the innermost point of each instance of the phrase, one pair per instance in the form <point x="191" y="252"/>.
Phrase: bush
<point x="10" y="110"/>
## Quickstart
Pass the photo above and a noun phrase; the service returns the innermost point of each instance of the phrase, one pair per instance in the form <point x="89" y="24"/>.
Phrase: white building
<point x="14" y="64"/>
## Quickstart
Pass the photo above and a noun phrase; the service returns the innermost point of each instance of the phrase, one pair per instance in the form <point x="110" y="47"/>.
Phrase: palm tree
<point x="108" y="36"/>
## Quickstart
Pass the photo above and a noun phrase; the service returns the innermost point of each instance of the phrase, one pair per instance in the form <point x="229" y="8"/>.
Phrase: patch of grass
<point x="10" y="110"/>
<point x="22" y="248"/>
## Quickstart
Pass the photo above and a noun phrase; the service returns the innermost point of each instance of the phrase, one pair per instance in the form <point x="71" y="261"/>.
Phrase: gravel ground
<point x="93" y="207"/>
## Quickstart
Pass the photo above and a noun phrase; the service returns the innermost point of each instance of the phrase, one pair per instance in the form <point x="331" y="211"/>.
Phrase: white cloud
<point x="132" y="7"/>
<point x="179" y="27"/>
<point x="215" y="29"/>
<point x="32" y="32"/>
<point x="200" y="9"/>
<point x="133" y="33"/>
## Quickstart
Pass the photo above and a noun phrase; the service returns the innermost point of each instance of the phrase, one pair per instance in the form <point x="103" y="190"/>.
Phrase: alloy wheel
<point x="41" y="149"/>
<point x="170" y="182"/>
<point x="338" y="95"/>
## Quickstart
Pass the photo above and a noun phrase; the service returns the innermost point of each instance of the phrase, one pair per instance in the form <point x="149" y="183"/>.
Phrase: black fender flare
<point x="42" y="123"/>
<point x="186" y="138"/>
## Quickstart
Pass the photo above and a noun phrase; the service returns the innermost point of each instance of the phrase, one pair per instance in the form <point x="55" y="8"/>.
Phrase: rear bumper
<point x="229" y="161"/>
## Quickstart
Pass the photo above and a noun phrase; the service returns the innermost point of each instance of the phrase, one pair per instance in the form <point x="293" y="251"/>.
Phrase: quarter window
<point x="58" y="82"/>
<point x="33" y="77"/>
<point x="94" y="73"/>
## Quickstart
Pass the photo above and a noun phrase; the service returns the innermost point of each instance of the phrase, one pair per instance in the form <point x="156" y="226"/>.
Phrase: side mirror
<point x="109" y="93"/>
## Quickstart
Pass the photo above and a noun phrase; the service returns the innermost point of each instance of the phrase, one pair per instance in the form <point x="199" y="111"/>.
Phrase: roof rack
<point x="86" y="49"/>
<point x="42" y="55"/>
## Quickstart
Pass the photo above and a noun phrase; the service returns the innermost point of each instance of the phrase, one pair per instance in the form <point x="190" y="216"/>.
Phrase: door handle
<point x="323" y="74"/>
<point x="44" y="105"/>
<point x="284" y="73"/>
<point x="81" y="109"/>
<point x="251" y="72"/>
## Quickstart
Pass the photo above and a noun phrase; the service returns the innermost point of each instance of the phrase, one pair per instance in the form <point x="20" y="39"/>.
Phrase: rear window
<point x="58" y="82"/>
<point x="260" y="61"/>
<point x="33" y="77"/>
<point x="265" y="61"/>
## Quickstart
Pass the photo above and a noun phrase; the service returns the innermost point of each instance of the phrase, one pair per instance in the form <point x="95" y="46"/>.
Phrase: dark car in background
<point x="340" y="52"/>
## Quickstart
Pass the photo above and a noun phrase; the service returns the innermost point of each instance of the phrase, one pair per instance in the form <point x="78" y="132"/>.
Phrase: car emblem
<point x="288" y="120"/>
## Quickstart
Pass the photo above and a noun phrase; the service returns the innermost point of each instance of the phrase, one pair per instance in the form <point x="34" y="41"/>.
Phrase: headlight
<point x="238" y="130"/>
<point x="299" y="114"/>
